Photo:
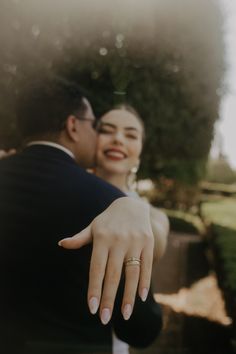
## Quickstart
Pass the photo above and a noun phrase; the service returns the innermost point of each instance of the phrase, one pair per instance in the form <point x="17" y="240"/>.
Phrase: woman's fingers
<point x="122" y="231"/>
<point x="77" y="241"/>
<point x="145" y="271"/>
<point x="132" y="265"/>
<point x="138" y="269"/>
<point x="105" y="273"/>
<point x="6" y="153"/>
<point x="106" y="266"/>
<point x="97" y="271"/>
<point x="111" y="283"/>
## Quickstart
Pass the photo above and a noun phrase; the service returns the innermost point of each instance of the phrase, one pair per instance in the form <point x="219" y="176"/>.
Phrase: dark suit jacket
<point x="45" y="196"/>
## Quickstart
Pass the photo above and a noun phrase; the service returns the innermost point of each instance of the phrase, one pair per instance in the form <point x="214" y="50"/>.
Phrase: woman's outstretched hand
<point x="6" y="153"/>
<point x="122" y="232"/>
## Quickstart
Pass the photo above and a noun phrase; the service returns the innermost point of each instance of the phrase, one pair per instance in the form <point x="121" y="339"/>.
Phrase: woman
<point x="120" y="141"/>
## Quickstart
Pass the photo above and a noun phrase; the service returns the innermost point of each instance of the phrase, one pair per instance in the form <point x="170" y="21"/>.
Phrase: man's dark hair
<point x="44" y="105"/>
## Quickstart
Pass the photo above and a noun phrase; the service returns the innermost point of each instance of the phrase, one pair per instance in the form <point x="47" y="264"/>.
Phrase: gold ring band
<point x="132" y="261"/>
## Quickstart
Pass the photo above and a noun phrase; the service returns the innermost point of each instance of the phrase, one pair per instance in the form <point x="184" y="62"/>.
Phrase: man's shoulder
<point x="6" y="161"/>
<point x="92" y="183"/>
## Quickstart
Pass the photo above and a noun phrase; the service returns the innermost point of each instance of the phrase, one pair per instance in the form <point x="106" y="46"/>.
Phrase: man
<point x="44" y="196"/>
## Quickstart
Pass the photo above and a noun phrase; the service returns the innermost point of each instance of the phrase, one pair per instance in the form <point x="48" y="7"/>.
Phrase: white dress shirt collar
<point x="55" y="145"/>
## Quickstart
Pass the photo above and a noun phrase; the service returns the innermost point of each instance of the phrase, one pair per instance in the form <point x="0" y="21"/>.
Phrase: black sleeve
<point x="144" y="324"/>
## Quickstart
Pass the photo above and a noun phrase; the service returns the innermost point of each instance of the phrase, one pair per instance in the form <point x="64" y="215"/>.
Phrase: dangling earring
<point x="132" y="176"/>
<point x="134" y="169"/>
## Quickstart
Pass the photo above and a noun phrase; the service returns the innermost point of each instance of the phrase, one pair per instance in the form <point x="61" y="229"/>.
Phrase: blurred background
<point x="175" y="62"/>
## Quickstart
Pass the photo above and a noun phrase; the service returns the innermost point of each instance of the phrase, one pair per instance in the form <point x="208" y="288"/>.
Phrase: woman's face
<point x="119" y="142"/>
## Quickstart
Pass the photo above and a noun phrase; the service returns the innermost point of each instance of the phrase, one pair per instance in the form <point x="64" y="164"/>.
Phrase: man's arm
<point x="122" y="231"/>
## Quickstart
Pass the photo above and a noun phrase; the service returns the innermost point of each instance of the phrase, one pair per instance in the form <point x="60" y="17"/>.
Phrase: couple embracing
<point x="80" y="297"/>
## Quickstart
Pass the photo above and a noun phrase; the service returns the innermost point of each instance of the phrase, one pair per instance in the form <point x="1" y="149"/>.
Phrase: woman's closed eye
<point x="103" y="130"/>
<point x="132" y="136"/>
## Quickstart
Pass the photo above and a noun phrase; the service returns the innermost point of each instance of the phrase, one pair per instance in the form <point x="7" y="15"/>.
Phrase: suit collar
<point x="45" y="150"/>
<point x="54" y="145"/>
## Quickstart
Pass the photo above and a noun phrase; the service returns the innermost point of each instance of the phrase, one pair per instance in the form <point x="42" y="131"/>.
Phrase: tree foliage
<point x="163" y="57"/>
<point x="220" y="171"/>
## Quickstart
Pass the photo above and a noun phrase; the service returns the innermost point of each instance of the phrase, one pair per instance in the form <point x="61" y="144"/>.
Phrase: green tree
<point x="220" y="171"/>
<point x="165" y="58"/>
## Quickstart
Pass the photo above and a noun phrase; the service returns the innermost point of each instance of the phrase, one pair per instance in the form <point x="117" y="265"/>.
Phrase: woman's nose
<point x="119" y="137"/>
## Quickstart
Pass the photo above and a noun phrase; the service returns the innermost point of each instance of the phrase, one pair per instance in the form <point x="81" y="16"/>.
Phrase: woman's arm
<point x="160" y="228"/>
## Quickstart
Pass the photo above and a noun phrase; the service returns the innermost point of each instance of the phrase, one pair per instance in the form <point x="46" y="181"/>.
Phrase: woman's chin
<point x="117" y="171"/>
<point x="113" y="167"/>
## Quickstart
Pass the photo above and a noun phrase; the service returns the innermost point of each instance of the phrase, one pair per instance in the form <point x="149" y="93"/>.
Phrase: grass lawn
<point x="221" y="212"/>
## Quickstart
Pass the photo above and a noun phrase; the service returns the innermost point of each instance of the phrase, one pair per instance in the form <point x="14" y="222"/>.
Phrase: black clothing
<point x="44" y="197"/>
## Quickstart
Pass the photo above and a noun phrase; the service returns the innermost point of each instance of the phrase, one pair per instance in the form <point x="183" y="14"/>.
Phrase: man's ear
<point x="72" y="128"/>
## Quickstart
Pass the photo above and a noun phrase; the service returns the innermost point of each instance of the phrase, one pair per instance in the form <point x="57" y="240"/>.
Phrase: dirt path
<point x="195" y="321"/>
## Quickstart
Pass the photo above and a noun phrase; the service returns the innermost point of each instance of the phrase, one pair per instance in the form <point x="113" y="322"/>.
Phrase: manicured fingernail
<point x="93" y="305"/>
<point x="127" y="311"/>
<point x="105" y="316"/>
<point x="61" y="241"/>
<point x="144" y="294"/>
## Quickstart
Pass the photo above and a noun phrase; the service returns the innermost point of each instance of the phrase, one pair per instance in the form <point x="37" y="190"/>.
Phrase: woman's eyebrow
<point x="132" y="129"/>
<point x="114" y="126"/>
